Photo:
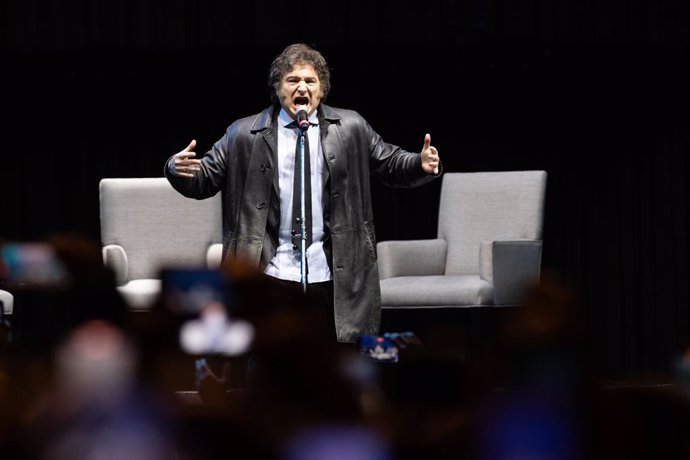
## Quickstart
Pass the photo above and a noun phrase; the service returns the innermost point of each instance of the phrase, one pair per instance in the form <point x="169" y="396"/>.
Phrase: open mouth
<point x="301" y="100"/>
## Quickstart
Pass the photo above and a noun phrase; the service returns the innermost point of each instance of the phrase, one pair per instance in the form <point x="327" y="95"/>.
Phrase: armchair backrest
<point x="156" y="225"/>
<point x="488" y="206"/>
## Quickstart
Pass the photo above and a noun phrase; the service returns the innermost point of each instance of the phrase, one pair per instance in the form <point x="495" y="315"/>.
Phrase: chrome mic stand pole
<point x="302" y="214"/>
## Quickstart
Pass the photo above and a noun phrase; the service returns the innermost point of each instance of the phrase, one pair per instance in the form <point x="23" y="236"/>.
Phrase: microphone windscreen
<point x="302" y="117"/>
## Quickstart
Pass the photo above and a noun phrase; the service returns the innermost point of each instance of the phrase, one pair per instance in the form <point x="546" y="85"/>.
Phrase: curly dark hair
<point x="298" y="53"/>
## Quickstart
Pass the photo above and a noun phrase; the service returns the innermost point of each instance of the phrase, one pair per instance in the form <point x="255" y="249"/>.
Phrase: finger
<point x="427" y="142"/>
<point x="182" y="161"/>
<point x="183" y="155"/>
<point x="188" y="151"/>
<point x="434" y="151"/>
<point x="187" y="161"/>
<point x="188" y="169"/>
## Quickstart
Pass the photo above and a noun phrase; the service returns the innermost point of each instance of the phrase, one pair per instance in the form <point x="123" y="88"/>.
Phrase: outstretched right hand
<point x="184" y="163"/>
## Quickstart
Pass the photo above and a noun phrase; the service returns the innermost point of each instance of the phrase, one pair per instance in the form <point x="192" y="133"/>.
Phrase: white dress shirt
<point x="286" y="262"/>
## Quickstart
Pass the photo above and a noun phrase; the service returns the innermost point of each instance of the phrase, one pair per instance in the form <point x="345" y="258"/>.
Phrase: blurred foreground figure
<point x="96" y="408"/>
<point x="530" y="391"/>
<point x="296" y="389"/>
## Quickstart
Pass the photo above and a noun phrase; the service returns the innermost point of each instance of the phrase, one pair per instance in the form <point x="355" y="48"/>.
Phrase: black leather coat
<point x="243" y="165"/>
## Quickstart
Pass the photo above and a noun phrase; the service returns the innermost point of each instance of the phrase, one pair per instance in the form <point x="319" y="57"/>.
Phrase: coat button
<point x="260" y="205"/>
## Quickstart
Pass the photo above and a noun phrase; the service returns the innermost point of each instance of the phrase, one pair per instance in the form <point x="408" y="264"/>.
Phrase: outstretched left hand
<point x="430" y="159"/>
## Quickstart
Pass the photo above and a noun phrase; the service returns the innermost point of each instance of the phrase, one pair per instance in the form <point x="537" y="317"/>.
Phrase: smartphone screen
<point x="378" y="348"/>
<point x="187" y="291"/>
<point x="31" y="264"/>
<point x="202" y="299"/>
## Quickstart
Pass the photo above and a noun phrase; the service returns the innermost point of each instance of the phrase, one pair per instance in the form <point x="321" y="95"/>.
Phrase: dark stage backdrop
<point x="593" y="92"/>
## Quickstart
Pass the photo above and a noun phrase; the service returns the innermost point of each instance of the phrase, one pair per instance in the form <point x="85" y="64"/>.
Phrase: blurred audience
<point x="81" y="376"/>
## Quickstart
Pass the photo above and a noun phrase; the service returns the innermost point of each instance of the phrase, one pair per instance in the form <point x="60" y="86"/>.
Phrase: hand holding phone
<point x="202" y="299"/>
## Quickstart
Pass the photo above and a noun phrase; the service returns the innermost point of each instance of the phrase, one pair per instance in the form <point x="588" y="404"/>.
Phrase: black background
<point x="594" y="92"/>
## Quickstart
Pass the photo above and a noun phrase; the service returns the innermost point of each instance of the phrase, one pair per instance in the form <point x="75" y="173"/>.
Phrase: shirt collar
<point x="285" y="119"/>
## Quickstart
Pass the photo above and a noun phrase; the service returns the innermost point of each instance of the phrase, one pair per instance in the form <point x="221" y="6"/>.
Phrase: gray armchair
<point x="488" y="247"/>
<point x="146" y="225"/>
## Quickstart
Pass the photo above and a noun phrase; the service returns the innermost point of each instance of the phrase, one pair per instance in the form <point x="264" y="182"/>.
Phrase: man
<point x="253" y="165"/>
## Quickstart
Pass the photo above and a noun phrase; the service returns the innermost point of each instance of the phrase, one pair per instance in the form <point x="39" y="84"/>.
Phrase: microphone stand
<point x="302" y="213"/>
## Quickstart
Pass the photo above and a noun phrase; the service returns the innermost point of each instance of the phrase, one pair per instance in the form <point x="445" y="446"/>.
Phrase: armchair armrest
<point x="115" y="258"/>
<point x="411" y="258"/>
<point x="511" y="266"/>
<point x="214" y="255"/>
<point x="6" y="303"/>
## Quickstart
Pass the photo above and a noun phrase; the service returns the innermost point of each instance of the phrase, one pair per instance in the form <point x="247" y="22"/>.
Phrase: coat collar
<point x="326" y="112"/>
<point x="264" y="120"/>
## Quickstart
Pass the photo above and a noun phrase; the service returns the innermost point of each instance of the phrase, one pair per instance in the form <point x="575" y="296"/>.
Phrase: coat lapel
<point x="266" y="127"/>
<point x="329" y="123"/>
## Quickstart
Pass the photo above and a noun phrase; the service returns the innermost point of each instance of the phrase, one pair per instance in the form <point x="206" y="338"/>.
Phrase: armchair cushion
<point x="435" y="291"/>
<point x="411" y="257"/>
<point x="142" y="293"/>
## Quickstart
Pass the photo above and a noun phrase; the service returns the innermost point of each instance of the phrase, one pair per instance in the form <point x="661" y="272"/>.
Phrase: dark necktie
<point x="296" y="232"/>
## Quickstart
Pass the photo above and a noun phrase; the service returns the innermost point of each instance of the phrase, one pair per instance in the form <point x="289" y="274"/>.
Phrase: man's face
<point x="300" y="86"/>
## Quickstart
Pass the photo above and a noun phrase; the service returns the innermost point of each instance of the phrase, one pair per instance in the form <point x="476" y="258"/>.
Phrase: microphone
<point x="302" y="117"/>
